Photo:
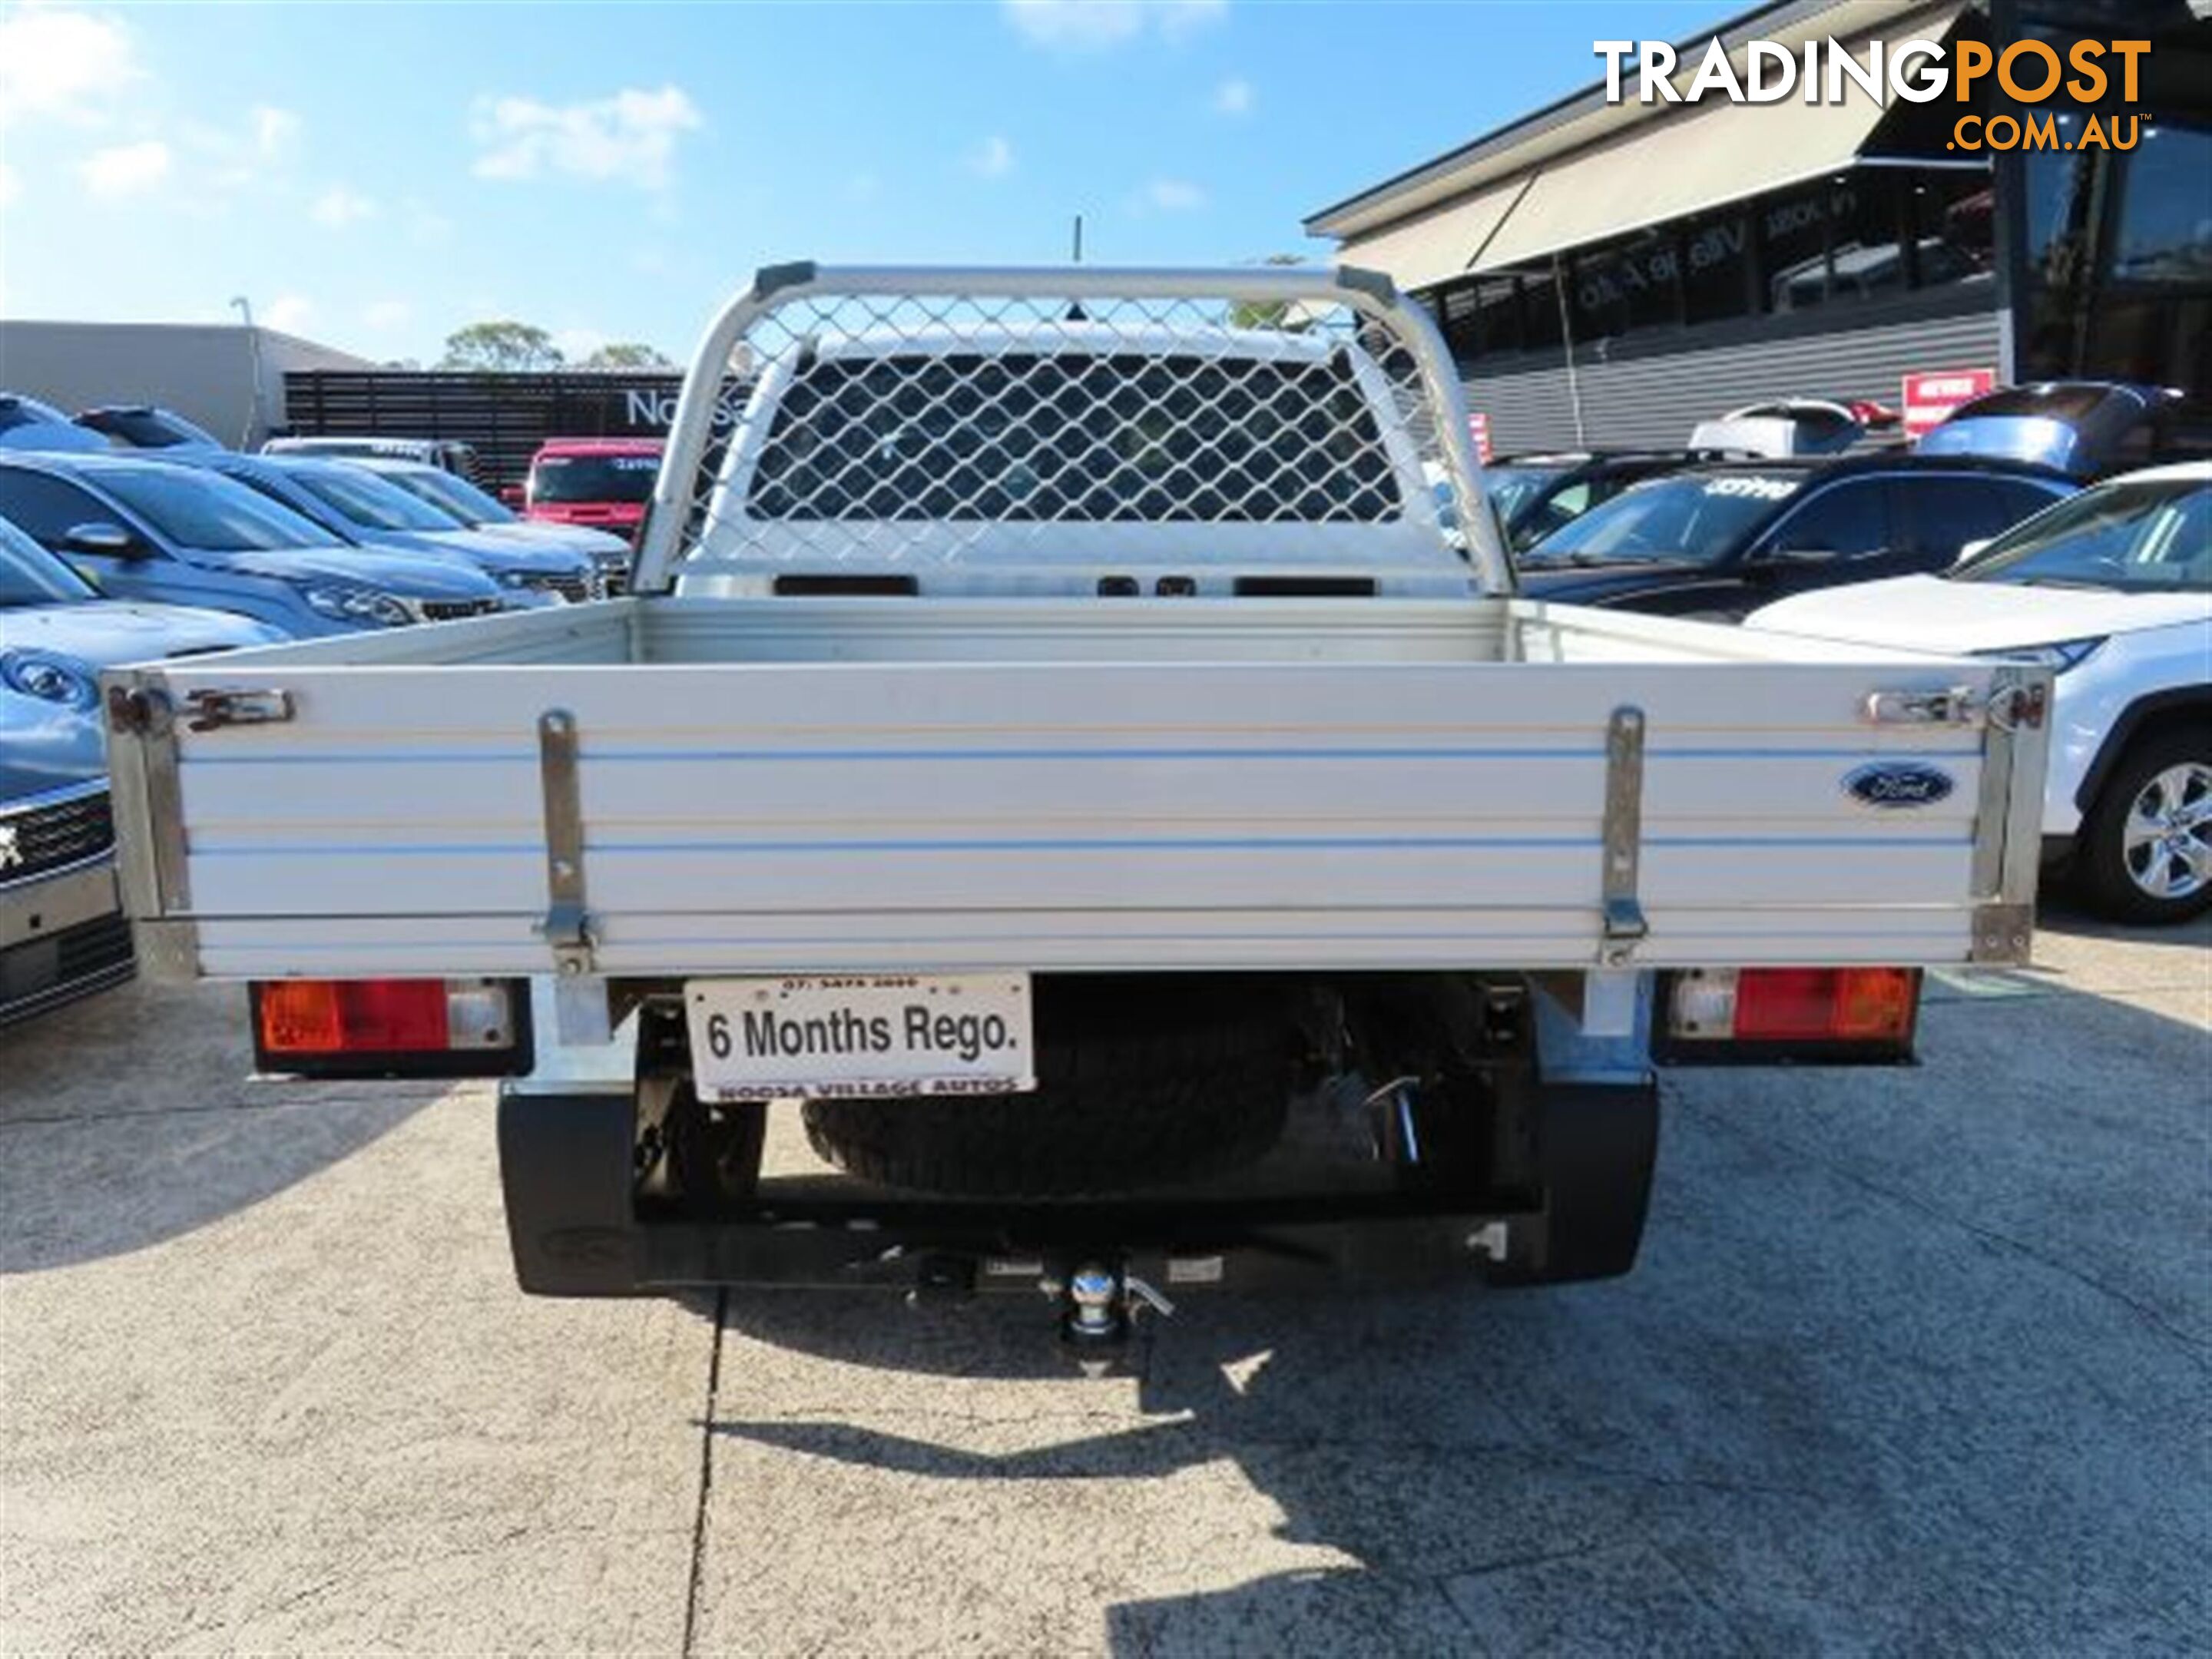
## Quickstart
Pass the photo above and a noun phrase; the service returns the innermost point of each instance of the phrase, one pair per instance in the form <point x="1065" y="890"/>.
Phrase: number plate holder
<point x="860" y="1037"/>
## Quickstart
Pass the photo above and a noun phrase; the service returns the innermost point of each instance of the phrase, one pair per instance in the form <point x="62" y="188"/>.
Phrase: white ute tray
<point x="874" y="784"/>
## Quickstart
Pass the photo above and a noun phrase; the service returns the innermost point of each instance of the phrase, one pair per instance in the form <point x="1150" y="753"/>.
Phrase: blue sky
<point x="376" y="176"/>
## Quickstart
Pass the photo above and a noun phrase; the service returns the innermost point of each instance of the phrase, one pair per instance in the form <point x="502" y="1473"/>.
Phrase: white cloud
<point x="252" y="151"/>
<point x="67" y="64"/>
<point x="426" y="226"/>
<point x="992" y="159"/>
<point x="385" y="315"/>
<point x="630" y="139"/>
<point x="1174" y="195"/>
<point x="338" y="207"/>
<point x="123" y="170"/>
<point x="288" y="312"/>
<point x="10" y="186"/>
<point x="1094" y="25"/>
<point x="275" y="130"/>
<point x="1234" y="96"/>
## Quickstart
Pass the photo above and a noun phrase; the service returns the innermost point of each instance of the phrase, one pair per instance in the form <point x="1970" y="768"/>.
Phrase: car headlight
<point x="363" y="607"/>
<point x="513" y="578"/>
<point x="49" y="678"/>
<point x="2067" y="653"/>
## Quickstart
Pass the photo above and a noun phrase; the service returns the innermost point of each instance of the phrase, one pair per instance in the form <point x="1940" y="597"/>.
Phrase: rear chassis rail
<point x="1479" y="1157"/>
<point x="578" y="1227"/>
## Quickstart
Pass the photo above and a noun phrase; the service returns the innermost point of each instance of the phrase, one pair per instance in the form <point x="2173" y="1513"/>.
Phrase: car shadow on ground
<point x="1890" y="1374"/>
<point x="2058" y="912"/>
<point x="131" y="1117"/>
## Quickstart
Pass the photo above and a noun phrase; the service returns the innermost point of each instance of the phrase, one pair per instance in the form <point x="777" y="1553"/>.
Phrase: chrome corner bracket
<point x="1624" y="923"/>
<point x="148" y="793"/>
<point x="2009" y="809"/>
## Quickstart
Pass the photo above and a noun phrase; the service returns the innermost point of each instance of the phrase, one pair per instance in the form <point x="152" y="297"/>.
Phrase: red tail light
<point x="1814" y="1013"/>
<point x="415" y="1027"/>
<point x="340" y="1016"/>
<point x="1846" y="1005"/>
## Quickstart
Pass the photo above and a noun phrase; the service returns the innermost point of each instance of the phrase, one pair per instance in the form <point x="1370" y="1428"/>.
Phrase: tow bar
<point x="1099" y="1307"/>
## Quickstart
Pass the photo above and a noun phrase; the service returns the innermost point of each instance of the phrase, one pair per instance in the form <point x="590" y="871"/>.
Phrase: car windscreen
<point x="458" y="497"/>
<point x="2052" y="403"/>
<point x="564" y="478"/>
<point x="1075" y="437"/>
<point x="368" y="502"/>
<point x="146" y="428"/>
<point x="1693" y="517"/>
<point x="207" y="510"/>
<point x="31" y="575"/>
<point x="16" y="411"/>
<point x="2149" y="535"/>
<point x="1512" y="488"/>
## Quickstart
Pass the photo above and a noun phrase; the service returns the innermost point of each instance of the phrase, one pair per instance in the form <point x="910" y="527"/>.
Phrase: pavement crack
<point x="1538" y="1558"/>
<point x="706" y="1476"/>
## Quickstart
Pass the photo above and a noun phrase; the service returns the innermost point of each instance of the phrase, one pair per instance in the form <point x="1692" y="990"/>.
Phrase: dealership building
<point x="227" y="378"/>
<point x="1610" y="274"/>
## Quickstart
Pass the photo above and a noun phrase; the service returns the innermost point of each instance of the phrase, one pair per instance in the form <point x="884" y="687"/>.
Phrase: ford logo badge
<point x="1898" y="783"/>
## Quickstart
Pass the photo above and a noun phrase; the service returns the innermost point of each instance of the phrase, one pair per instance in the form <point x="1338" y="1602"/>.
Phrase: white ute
<point x="1059" y="757"/>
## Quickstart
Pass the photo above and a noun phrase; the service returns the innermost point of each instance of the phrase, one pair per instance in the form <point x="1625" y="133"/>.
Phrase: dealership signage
<point x="1930" y="397"/>
<point x="2030" y="72"/>
<point x="654" y="410"/>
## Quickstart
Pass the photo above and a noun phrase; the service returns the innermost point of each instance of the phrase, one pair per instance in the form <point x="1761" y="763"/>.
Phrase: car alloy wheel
<point x="2167" y="842"/>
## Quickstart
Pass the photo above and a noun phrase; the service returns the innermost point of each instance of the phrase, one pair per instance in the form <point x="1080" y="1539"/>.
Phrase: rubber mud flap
<point x="564" y="1166"/>
<point x="1596" y="1143"/>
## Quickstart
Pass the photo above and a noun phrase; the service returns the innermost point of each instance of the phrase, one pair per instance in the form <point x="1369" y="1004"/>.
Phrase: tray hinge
<point x="1624" y="924"/>
<point x="567" y="925"/>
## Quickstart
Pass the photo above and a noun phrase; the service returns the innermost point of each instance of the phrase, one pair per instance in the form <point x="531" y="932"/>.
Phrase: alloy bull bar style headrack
<point x="992" y="337"/>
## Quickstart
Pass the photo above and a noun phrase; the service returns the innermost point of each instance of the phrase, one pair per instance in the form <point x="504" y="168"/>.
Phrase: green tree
<point x="626" y="353"/>
<point x="502" y="347"/>
<point x="1266" y="314"/>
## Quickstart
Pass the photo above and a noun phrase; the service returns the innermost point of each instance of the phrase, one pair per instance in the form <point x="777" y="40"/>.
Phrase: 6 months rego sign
<point x="846" y="1035"/>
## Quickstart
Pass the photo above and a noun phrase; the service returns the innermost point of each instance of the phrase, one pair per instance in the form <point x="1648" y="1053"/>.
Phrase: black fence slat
<point x="504" y="417"/>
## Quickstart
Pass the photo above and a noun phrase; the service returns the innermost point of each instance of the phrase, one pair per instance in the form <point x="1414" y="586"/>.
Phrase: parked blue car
<point x="2085" y="428"/>
<point x="26" y="423"/>
<point x="145" y="530"/>
<point x="478" y="509"/>
<point x="146" y="426"/>
<point x="361" y="509"/>
<point x="62" y="930"/>
<point x="56" y="633"/>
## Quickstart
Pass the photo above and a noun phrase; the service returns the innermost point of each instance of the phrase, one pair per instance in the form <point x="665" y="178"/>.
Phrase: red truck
<point x="603" y="483"/>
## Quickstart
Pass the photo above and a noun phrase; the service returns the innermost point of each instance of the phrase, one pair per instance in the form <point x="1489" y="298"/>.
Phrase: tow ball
<point x="1099" y="1305"/>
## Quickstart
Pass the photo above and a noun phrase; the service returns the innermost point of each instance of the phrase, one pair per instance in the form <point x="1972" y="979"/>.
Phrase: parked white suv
<point x="2112" y="590"/>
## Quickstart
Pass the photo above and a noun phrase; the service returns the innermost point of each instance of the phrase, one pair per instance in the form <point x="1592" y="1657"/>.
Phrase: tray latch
<point x="1624" y="924"/>
<point x="567" y="925"/>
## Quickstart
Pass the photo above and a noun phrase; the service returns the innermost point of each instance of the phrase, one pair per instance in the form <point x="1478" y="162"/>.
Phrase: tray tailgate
<point x="765" y="818"/>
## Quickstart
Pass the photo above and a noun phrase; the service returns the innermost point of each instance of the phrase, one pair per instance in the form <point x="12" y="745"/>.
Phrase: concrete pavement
<point x="1913" y="1360"/>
